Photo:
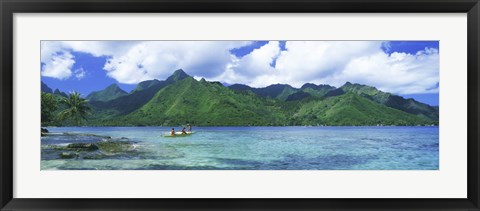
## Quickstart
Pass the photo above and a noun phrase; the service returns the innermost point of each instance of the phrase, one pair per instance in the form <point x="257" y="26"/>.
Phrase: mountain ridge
<point x="111" y="92"/>
<point x="181" y="98"/>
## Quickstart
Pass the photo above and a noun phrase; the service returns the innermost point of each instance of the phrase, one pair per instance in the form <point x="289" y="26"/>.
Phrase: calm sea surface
<point x="256" y="148"/>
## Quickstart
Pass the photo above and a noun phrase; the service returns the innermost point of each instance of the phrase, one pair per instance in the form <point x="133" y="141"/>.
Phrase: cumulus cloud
<point x="337" y="62"/>
<point x="320" y="62"/>
<point x="397" y="73"/>
<point x="311" y="61"/>
<point x="79" y="73"/>
<point x="131" y="62"/>
<point x="56" y="62"/>
<point x="150" y="60"/>
<point x="251" y="67"/>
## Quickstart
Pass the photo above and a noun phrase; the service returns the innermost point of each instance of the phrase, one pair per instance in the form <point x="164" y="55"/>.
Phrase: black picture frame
<point x="9" y="7"/>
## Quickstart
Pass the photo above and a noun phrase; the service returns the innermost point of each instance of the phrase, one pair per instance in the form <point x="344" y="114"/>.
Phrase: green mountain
<point x="353" y="109"/>
<point x="317" y="90"/>
<point x="278" y="91"/>
<point x="109" y="93"/>
<point x="309" y="91"/>
<point x="241" y="87"/>
<point x="104" y="111"/>
<point x="181" y="99"/>
<point x="59" y="93"/>
<point x="125" y="104"/>
<point x="178" y="75"/>
<point x="205" y="103"/>
<point x="300" y="95"/>
<point x="146" y="84"/>
<point x="45" y="88"/>
<point x="394" y="101"/>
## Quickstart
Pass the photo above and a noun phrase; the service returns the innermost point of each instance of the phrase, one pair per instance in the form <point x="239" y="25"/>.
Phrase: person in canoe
<point x="189" y="127"/>
<point x="172" y="132"/>
<point x="184" y="132"/>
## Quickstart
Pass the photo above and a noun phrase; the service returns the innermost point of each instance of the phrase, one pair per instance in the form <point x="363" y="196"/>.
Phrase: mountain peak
<point x="109" y="93"/>
<point x="178" y="75"/>
<point x="113" y="86"/>
<point x="356" y="86"/>
<point x="146" y="84"/>
<point x="308" y="85"/>
<point x="59" y="93"/>
<point x="317" y="90"/>
<point x="179" y="71"/>
<point x="45" y="88"/>
<point x="361" y="89"/>
<point x="316" y="87"/>
<point x="240" y="87"/>
<point x="279" y="85"/>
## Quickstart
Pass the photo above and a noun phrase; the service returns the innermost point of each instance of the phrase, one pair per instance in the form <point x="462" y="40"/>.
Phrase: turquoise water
<point x="257" y="148"/>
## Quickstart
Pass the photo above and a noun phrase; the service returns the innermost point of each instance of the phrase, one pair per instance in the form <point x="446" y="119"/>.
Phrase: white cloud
<point x="136" y="61"/>
<point x="335" y="63"/>
<point x="319" y="62"/>
<point x="79" y="73"/>
<point x="150" y="60"/>
<point x="400" y="73"/>
<point x="56" y="62"/>
<point x="251" y="67"/>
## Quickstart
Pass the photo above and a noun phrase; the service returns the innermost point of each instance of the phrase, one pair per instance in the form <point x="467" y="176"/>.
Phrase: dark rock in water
<point x="68" y="155"/>
<point x="115" y="146"/>
<point x="86" y="146"/>
<point x="82" y="147"/>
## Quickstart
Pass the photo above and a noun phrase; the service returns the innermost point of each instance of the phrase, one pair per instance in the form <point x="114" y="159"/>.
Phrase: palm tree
<point x="77" y="108"/>
<point x="49" y="106"/>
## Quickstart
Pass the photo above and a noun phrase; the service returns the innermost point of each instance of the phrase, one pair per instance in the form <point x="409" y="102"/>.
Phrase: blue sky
<point x="93" y="80"/>
<point x="407" y="68"/>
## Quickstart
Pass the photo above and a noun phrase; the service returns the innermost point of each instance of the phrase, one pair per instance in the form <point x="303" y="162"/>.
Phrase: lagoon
<point x="250" y="148"/>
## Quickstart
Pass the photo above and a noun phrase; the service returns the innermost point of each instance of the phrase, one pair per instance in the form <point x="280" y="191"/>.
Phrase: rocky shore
<point x="93" y="147"/>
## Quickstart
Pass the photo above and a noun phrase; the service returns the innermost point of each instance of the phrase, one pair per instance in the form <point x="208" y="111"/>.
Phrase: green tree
<point x="77" y="108"/>
<point x="49" y="105"/>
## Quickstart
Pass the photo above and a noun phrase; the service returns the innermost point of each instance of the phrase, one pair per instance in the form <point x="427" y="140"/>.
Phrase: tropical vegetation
<point x="181" y="99"/>
<point x="62" y="109"/>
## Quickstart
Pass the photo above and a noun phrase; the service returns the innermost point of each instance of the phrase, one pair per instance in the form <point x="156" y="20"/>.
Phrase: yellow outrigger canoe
<point x="177" y="134"/>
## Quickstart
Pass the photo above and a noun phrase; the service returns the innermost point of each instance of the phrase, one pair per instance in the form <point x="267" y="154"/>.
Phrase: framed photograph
<point x="260" y="105"/>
